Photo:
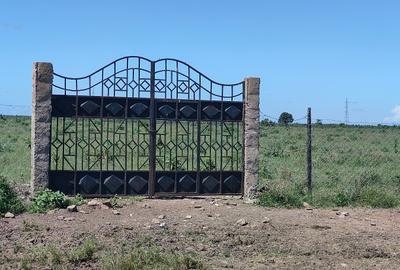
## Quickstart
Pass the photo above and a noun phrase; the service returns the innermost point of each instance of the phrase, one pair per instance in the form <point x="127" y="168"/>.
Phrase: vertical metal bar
<point x="177" y="160"/>
<point x="63" y="128"/>
<point x="90" y="85"/>
<point x="138" y="122"/>
<point x="113" y="145"/>
<point x="165" y="77"/>
<point x="232" y="132"/>
<point x="76" y="135"/>
<point x="126" y="127"/>
<point x="189" y="125"/>
<point x="51" y="140"/>
<point x="108" y="140"/>
<point x="222" y="124"/>
<point x="82" y="138"/>
<point x="309" y="151"/>
<point x="89" y="122"/>
<point x="138" y="81"/>
<point x="198" y="176"/>
<point x="152" y="134"/>
<point x="58" y="150"/>
<point x="101" y="130"/>
<point x="176" y="128"/>
<point x="115" y="74"/>
<point x="232" y="135"/>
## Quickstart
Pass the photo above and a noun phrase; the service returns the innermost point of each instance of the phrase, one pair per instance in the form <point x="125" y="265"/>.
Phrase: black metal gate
<point x="142" y="127"/>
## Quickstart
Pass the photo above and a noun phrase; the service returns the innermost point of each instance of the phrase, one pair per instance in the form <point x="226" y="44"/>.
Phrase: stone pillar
<point x="251" y="134"/>
<point x="42" y="79"/>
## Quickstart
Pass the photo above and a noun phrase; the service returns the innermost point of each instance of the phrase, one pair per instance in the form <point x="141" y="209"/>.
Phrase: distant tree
<point x="319" y="122"/>
<point x="267" y="122"/>
<point x="285" y="118"/>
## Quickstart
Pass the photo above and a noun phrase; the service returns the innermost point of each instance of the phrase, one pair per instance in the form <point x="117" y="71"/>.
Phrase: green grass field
<point x="15" y="151"/>
<point x="352" y="165"/>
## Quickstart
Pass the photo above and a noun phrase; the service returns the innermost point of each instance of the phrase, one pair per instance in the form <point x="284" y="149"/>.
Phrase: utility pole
<point x="347" y="111"/>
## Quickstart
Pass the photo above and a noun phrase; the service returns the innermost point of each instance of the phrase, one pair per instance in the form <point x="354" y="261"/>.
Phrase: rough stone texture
<point x="251" y="134"/>
<point x="42" y="79"/>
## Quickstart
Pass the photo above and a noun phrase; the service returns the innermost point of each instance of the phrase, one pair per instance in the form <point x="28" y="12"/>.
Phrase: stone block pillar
<point x="42" y="79"/>
<point x="251" y="134"/>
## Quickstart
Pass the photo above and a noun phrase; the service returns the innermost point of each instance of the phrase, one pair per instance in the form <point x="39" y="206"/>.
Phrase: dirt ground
<point x="208" y="227"/>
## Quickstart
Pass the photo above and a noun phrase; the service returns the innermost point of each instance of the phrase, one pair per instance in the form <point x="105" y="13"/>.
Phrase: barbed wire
<point x="277" y="118"/>
<point x="263" y="115"/>
<point x="14" y="105"/>
<point x="15" y="109"/>
<point x="332" y="121"/>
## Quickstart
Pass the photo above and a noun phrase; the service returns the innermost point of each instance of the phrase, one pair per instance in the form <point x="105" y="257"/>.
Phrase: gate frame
<point x="42" y="79"/>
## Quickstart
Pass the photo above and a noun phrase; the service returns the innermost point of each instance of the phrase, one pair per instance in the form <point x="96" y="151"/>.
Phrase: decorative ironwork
<point x="138" y="126"/>
<point x="210" y="184"/>
<point x="139" y="184"/>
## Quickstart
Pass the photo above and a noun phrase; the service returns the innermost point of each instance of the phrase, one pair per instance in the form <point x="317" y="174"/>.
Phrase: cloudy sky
<point x="307" y="52"/>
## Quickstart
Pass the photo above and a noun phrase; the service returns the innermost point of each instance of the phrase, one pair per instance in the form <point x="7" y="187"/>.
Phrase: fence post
<point x="251" y="133"/>
<point x="309" y="151"/>
<point x="42" y="79"/>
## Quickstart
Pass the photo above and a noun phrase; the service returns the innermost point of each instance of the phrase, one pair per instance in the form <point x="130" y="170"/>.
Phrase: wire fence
<point x="345" y="161"/>
<point x="15" y="110"/>
<point x="350" y="161"/>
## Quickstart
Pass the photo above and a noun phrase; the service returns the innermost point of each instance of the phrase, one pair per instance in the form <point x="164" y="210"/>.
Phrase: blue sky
<point x="307" y="52"/>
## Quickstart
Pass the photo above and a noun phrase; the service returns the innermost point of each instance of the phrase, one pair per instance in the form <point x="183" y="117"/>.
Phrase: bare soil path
<point x="265" y="239"/>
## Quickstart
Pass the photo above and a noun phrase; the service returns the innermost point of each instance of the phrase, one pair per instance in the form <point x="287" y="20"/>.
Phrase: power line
<point x="277" y="118"/>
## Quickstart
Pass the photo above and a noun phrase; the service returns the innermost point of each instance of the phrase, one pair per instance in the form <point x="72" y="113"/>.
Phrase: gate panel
<point x="142" y="127"/>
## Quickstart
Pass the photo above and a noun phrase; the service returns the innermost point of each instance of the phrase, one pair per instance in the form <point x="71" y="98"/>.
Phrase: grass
<point x="15" y="151"/>
<point x="352" y="166"/>
<point x="29" y="226"/>
<point x="44" y="257"/>
<point x="84" y="252"/>
<point x="121" y="257"/>
<point x="149" y="258"/>
<point x="89" y="154"/>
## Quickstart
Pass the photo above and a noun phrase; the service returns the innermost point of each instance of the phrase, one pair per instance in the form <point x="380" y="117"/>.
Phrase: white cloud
<point x="395" y="115"/>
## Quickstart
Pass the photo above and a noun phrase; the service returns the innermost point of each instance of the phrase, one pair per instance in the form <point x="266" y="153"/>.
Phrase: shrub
<point x="46" y="200"/>
<point x="378" y="198"/>
<point x="278" y="195"/>
<point x="365" y="180"/>
<point x="9" y="200"/>
<point x="342" y="199"/>
<point x="76" y="200"/>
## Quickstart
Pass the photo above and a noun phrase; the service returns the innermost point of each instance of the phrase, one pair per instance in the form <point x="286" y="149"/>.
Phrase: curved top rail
<point x="196" y="70"/>
<point x="106" y="66"/>
<point x="150" y="61"/>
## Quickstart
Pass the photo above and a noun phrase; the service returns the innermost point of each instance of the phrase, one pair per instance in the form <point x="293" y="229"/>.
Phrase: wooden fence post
<point x="309" y="151"/>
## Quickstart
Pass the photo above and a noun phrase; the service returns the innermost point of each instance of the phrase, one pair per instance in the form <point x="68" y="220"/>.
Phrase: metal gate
<point x="142" y="127"/>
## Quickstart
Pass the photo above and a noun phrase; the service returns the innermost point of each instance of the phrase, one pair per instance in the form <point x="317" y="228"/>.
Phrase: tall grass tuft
<point x="9" y="200"/>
